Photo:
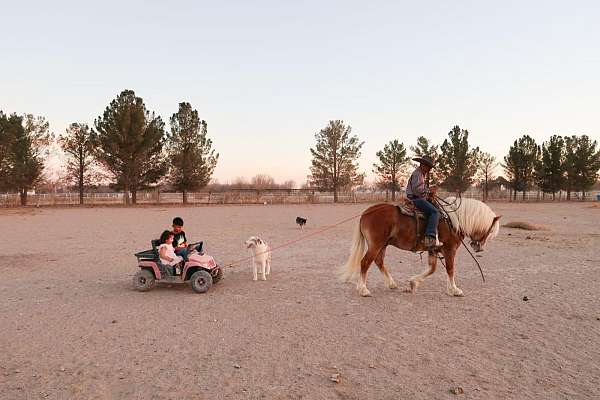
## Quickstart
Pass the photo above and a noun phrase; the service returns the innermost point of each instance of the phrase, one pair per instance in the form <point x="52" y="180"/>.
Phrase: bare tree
<point x="485" y="173"/>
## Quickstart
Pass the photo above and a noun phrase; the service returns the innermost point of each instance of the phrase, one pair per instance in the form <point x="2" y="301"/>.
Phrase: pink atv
<point x="201" y="271"/>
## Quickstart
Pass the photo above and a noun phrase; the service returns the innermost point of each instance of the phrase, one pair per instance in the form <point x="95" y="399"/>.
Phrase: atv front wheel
<point x="201" y="281"/>
<point x="143" y="280"/>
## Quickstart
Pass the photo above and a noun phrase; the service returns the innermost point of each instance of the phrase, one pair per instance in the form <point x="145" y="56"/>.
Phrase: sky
<point x="268" y="75"/>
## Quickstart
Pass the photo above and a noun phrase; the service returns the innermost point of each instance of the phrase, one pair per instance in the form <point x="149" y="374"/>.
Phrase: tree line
<point x="131" y="147"/>
<point x="568" y="163"/>
<point x="127" y="143"/>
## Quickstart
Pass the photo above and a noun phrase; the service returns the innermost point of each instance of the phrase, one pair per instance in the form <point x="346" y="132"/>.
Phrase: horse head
<point x="478" y="241"/>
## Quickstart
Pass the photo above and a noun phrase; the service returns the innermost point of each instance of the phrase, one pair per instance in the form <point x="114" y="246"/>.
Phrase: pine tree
<point x="551" y="168"/>
<point x="334" y="164"/>
<point x="457" y="163"/>
<point x="520" y="163"/>
<point x="191" y="156"/>
<point x="8" y="127"/>
<point x="425" y="148"/>
<point x="392" y="161"/>
<point x="129" y="140"/>
<point x="27" y="137"/>
<point x="582" y="163"/>
<point x="79" y="148"/>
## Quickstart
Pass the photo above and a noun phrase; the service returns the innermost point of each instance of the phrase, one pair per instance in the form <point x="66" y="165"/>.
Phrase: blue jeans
<point x="433" y="216"/>
<point x="183" y="251"/>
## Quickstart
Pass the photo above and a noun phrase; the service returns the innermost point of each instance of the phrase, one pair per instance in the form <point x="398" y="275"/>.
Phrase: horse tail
<point x="350" y="271"/>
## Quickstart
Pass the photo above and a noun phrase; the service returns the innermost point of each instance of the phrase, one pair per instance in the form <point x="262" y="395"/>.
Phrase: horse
<point x="384" y="224"/>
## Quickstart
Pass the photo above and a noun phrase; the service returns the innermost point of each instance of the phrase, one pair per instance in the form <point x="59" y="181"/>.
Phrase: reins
<point x="439" y="201"/>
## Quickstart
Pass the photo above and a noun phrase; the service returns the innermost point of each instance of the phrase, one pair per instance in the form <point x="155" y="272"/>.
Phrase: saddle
<point x="407" y="207"/>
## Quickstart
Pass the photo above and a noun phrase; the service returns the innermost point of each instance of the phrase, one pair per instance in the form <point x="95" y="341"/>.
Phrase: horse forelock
<point x="471" y="217"/>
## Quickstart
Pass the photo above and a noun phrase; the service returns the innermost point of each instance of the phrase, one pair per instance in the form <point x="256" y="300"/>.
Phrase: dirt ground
<point x="71" y="327"/>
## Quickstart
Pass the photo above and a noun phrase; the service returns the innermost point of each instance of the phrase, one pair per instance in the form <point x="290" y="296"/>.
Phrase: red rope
<point x="288" y="243"/>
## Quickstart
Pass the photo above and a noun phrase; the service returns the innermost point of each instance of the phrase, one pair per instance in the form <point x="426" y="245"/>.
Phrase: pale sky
<point x="267" y="75"/>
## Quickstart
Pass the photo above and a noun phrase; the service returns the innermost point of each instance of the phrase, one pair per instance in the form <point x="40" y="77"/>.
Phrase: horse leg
<point x="365" y="263"/>
<point x="452" y="289"/>
<point x="254" y="272"/>
<point x="389" y="281"/>
<point x="416" y="280"/>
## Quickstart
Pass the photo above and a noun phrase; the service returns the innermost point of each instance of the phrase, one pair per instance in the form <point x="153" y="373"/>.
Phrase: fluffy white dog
<point x="261" y="255"/>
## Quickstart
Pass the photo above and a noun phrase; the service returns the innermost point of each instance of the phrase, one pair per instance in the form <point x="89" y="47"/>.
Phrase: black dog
<point x="301" y="221"/>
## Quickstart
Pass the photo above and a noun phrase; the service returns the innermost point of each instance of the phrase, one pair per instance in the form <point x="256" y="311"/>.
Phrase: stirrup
<point x="432" y="243"/>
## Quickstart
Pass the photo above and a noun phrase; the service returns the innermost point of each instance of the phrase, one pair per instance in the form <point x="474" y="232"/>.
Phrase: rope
<point x="439" y="202"/>
<point x="302" y="238"/>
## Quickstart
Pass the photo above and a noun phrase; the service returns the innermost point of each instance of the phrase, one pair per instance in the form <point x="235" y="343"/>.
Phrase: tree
<point x="192" y="158"/>
<point x="334" y="163"/>
<point x="425" y="148"/>
<point x="551" y="168"/>
<point x="457" y="163"/>
<point x="8" y="127"/>
<point x="519" y="164"/>
<point x="262" y="181"/>
<point x="26" y="136"/>
<point x="79" y="148"/>
<point x="129" y="141"/>
<point x="392" y="161"/>
<point x="485" y="173"/>
<point x="582" y="162"/>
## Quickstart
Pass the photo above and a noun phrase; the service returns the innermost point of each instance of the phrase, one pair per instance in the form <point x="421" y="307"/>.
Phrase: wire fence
<point x="278" y="196"/>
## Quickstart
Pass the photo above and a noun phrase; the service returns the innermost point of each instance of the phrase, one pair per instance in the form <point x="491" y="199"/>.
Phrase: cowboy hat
<point x="424" y="160"/>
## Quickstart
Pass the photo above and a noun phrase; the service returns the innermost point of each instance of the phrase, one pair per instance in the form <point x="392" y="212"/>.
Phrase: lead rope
<point x="289" y="243"/>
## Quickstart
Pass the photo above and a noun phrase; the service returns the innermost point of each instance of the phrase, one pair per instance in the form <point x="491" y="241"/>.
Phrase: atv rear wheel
<point x="143" y="280"/>
<point x="201" y="281"/>
<point x="218" y="276"/>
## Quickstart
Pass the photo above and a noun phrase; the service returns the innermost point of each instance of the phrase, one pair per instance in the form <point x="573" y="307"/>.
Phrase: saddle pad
<point x="410" y="210"/>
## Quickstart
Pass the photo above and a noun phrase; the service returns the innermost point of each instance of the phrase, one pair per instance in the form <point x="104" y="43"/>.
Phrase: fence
<point x="248" y="196"/>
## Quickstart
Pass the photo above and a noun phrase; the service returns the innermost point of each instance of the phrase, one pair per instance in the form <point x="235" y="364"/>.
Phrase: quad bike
<point x="201" y="270"/>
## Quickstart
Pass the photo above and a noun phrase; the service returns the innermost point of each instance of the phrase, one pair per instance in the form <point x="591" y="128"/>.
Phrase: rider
<point x="180" y="241"/>
<point x="420" y="194"/>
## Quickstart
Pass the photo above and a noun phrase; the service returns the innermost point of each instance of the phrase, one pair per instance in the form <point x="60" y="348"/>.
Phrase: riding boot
<point x="432" y="243"/>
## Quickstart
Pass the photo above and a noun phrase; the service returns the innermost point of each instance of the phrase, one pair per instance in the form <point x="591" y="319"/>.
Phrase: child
<point x="166" y="252"/>
<point x="180" y="241"/>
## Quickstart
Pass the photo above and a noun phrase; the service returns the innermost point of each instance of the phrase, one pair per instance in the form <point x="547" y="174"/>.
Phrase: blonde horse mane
<point x="471" y="217"/>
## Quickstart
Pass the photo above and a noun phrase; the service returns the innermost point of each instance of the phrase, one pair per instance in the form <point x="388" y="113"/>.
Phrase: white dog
<point x="261" y="255"/>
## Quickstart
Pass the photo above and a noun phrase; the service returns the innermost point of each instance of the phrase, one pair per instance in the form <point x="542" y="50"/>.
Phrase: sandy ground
<point x="71" y="327"/>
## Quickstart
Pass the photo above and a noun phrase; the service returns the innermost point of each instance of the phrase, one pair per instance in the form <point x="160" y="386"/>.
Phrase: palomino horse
<point x="383" y="224"/>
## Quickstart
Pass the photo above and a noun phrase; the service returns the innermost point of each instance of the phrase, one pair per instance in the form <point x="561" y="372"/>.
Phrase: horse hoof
<point x="365" y="293"/>
<point x="393" y="285"/>
<point x="458" y="293"/>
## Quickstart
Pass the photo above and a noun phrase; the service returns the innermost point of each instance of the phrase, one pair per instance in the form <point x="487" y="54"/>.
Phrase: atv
<point x="200" y="270"/>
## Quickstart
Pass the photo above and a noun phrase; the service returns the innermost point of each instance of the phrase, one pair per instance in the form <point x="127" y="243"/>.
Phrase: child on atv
<point x="166" y="252"/>
<point x="180" y="241"/>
